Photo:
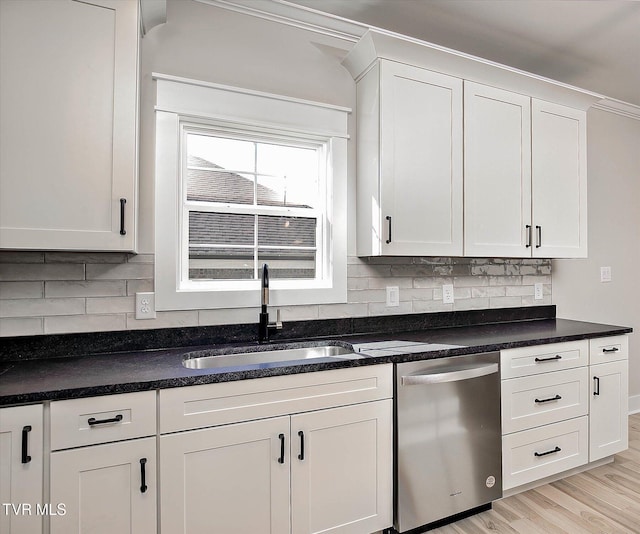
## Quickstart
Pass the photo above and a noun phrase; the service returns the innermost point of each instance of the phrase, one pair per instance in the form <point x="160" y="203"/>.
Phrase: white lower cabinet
<point x="326" y="469"/>
<point x="106" y="488"/>
<point x="21" y="469"/>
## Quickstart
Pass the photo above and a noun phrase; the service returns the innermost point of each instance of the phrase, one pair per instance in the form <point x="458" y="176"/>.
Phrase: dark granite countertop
<point x="50" y="378"/>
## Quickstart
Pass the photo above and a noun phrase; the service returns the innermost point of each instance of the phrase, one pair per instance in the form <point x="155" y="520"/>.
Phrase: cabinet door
<point x="21" y="450"/>
<point x="226" y="479"/>
<point x="68" y="101"/>
<point x="497" y="164"/>
<point x="608" y="429"/>
<point x="106" y="488"/>
<point x="420" y="162"/>
<point x="559" y="178"/>
<point x="341" y="469"/>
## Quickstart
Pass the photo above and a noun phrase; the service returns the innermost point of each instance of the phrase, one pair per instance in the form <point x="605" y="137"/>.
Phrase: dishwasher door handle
<point x="451" y="375"/>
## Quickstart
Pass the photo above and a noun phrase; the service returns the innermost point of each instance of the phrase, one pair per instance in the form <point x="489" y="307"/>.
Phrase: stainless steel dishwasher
<point x="448" y="438"/>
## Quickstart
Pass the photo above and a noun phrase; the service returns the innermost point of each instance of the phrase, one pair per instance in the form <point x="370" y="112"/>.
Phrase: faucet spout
<point x="264" y="326"/>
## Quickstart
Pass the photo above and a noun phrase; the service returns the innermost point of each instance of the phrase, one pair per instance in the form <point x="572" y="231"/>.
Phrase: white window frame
<point x="183" y="105"/>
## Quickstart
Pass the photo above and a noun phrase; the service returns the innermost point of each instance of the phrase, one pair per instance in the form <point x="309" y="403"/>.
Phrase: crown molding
<point x="619" y="107"/>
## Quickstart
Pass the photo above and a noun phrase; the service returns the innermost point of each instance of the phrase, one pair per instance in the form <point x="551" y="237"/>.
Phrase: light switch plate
<point x="393" y="296"/>
<point x="605" y="274"/>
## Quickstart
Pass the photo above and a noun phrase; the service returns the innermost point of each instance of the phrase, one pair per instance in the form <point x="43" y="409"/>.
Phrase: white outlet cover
<point x="538" y="293"/>
<point x="146" y="305"/>
<point x="605" y="274"/>
<point x="447" y="294"/>
<point x="393" y="296"/>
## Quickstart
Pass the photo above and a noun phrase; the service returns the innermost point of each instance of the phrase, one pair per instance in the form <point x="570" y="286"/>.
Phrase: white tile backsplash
<point x="62" y="292"/>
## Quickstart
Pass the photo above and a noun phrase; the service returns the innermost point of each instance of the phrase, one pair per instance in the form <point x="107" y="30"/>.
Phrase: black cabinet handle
<point x="528" y="227"/>
<point x="596" y="385"/>
<point x="613" y="349"/>
<point x="93" y="421"/>
<point x="281" y="459"/>
<point x="25" y="444"/>
<point x="552" y="359"/>
<point x="538" y="236"/>
<point x="557" y="449"/>
<point x="557" y="397"/>
<point x="123" y="201"/>
<point x="301" y="455"/>
<point x="143" y="475"/>
<point x="388" y="217"/>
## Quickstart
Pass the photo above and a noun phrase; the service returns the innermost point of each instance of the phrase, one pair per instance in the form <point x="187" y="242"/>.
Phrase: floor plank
<point x="604" y="500"/>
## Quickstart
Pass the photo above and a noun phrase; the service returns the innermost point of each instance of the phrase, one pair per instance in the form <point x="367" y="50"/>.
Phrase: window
<point x="254" y="184"/>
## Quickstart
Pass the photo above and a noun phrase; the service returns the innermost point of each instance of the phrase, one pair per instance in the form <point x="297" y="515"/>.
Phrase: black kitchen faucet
<point x="264" y="326"/>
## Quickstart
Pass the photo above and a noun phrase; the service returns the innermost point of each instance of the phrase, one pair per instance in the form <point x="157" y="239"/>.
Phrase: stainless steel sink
<point x="259" y="357"/>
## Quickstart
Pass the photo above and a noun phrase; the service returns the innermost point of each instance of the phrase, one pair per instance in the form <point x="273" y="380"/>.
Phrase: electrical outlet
<point x="605" y="274"/>
<point x="145" y="305"/>
<point x="447" y="294"/>
<point x="393" y="296"/>
<point x="538" y="292"/>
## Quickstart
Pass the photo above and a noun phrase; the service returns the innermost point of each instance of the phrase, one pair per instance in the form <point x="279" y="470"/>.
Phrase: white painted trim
<point x="152" y="14"/>
<point x="611" y="105"/>
<point x="634" y="404"/>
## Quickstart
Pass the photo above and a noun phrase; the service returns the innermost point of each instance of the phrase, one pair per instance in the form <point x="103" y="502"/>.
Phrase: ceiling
<point x="592" y="44"/>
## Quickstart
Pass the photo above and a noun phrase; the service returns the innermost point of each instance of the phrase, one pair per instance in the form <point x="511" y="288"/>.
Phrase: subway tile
<point x="359" y="283"/>
<point x="169" y="319"/>
<point x="505" y="302"/>
<point x="505" y="280"/>
<point x="490" y="291"/>
<point x="10" y="256"/>
<point x="529" y="300"/>
<point x="428" y="306"/>
<point x="228" y="316"/>
<point x="368" y="270"/>
<point x="379" y="308"/>
<point x="418" y="293"/>
<point x="471" y="304"/>
<point x="140" y="258"/>
<point x="470" y="281"/>
<point x="519" y="291"/>
<point x="85" y="288"/>
<point x="44" y="271"/>
<point x="84" y="323"/>
<point x="461" y="292"/>
<point x="382" y="283"/>
<point x="21" y="290"/>
<point x="125" y="271"/>
<point x="432" y="282"/>
<point x="38" y="307"/>
<point x="139" y="286"/>
<point x="85" y="257"/>
<point x="366" y="295"/>
<point x="21" y="326"/>
<point x="111" y="305"/>
<point x="340" y="311"/>
<point x="293" y="313"/>
<point x="538" y="279"/>
<point x="490" y="270"/>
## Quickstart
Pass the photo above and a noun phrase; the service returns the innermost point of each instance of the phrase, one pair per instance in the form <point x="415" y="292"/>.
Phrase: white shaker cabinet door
<point x="559" y="181"/>
<point x="497" y="163"/>
<point x="609" y="406"/>
<point x="21" y="464"/>
<point x="341" y="469"/>
<point x="410" y="184"/>
<point x="68" y="102"/>
<point x="227" y="479"/>
<point x="106" y="488"/>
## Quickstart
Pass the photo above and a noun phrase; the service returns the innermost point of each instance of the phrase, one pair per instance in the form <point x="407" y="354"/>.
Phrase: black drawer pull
<point x="613" y="349"/>
<point x="557" y="449"/>
<point x="596" y="385"/>
<point x="528" y="228"/>
<point x="281" y="459"/>
<point x="539" y="235"/>
<point x="552" y="359"/>
<point x="93" y="421"/>
<point x="388" y="217"/>
<point x="123" y="201"/>
<point x="557" y="397"/>
<point x="25" y="444"/>
<point x="143" y="475"/>
<point x="301" y="455"/>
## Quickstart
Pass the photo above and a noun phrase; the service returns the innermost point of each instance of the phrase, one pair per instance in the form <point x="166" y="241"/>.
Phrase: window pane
<point x="288" y="175"/>
<point x="287" y="263"/>
<point x="231" y="154"/>
<point x="286" y="231"/>
<point x="221" y="228"/>
<point x="220" y="264"/>
<point x="217" y="186"/>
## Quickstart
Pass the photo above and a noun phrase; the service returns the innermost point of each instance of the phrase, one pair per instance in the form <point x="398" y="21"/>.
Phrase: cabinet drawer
<point x="525" y="361"/>
<point x="544" y="451"/>
<point x="538" y="400"/>
<point x="79" y="422"/>
<point x="608" y="349"/>
<point x="191" y="407"/>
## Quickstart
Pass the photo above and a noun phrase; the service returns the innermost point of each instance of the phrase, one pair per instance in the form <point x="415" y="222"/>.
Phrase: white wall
<point x="614" y="237"/>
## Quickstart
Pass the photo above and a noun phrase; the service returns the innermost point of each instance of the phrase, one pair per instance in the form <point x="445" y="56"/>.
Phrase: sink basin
<point x="259" y="357"/>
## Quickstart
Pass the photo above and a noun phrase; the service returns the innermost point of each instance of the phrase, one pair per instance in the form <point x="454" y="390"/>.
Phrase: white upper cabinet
<point x="497" y="172"/>
<point x="409" y="162"/>
<point x="68" y="101"/>
<point x="559" y="180"/>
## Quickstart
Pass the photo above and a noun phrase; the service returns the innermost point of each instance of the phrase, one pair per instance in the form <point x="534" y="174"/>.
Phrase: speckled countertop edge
<point x="24" y="382"/>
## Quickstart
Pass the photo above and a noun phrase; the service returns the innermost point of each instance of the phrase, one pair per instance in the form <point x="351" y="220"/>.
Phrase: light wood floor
<point x="605" y="499"/>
